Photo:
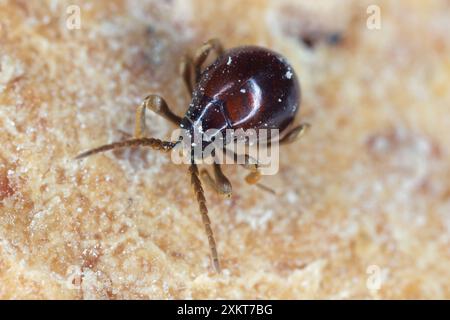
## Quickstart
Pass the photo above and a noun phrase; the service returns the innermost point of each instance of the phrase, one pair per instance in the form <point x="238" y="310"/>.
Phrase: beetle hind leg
<point x="191" y="68"/>
<point x="203" y="53"/>
<point x="295" y="133"/>
<point x="254" y="176"/>
<point x="186" y="69"/>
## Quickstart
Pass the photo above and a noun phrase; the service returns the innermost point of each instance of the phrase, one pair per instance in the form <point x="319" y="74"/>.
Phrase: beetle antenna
<point x="144" y="142"/>
<point x="197" y="185"/>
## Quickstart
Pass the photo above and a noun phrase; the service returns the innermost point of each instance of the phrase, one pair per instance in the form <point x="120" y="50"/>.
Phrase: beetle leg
<point x="203" y="52"/>
<point x="158" y="105"/>
<point x="254" y="176"/>
<point x="295" y="134"/>
<point x="220" y="183"/>
<point x="197" y="185"/>
<point x="186" y="68"/>
<point x="250" y="164"/>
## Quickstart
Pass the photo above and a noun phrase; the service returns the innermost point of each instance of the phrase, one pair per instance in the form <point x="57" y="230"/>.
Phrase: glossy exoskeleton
<point x="244" y="88"/>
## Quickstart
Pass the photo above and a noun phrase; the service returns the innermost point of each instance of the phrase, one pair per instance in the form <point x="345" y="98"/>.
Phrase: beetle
<point x="247" y="87"/>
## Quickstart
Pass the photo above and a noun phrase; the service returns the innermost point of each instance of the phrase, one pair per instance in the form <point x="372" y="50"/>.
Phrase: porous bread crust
<point x="368" y="185"/>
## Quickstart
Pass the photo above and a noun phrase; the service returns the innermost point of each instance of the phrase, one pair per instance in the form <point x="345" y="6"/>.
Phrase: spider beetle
<point x="240" y="89"/>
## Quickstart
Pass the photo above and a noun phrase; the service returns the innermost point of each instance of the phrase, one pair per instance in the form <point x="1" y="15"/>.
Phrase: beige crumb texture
<point x="363" y="204"/>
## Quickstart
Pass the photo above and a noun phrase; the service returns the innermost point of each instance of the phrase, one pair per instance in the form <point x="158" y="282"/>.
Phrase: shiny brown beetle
<point x="244" y="88"/>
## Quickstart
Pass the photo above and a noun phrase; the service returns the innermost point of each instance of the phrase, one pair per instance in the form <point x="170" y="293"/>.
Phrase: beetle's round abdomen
<point x="248" y="88"/>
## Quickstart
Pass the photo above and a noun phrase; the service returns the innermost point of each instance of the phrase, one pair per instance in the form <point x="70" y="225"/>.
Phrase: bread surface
<point x="363" y="204"/>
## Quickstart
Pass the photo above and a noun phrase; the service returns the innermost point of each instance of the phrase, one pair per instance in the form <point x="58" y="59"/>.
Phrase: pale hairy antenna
<point x="199" y="193"/>
<point x="144" y="142"/>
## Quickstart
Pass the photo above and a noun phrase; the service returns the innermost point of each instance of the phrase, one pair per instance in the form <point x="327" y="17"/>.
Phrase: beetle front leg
<point x="158" y="105"/>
